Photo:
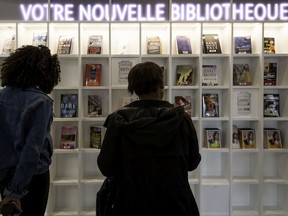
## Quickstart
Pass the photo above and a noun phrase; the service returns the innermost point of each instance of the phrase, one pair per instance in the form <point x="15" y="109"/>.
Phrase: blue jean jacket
<point x="26" y="145"/>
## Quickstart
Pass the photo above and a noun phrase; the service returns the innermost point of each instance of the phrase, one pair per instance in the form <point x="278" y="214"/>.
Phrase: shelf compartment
<point x="245" y="199"/>
<point x="245" y="167"/>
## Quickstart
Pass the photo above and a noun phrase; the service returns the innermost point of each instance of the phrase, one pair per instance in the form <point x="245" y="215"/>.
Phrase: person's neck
<point x="151" y="96"/>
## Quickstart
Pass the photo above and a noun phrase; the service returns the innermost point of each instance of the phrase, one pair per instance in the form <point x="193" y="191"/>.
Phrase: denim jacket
<point x="26" y="145"/>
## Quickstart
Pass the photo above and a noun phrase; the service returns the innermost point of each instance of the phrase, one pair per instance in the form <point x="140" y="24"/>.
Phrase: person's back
<point x="150" y="146"/>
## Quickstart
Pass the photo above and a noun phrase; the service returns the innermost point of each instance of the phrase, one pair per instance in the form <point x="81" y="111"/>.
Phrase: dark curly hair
<point x="31" y="66"/>
<point x="145" y="78"/>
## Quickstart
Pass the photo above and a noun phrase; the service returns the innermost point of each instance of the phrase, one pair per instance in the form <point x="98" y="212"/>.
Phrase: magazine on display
<point x="243" y="44"/>
<point x="209" y="75"/>
<point x="271" y="105"/>
<point x="211" y="44"/>
<point x="183" y="45"/>
<point x="244" y="103"/>
<point x="95" y="44"/>
<point x="247" y="138"/>
<point x="9" y="45"/>
<point x="272" y="138"/>
<point x="65" y="44"/>
<point x="184" y="101"/>
<point x="184" y="75"/>
<point x="69" y="105"/>
<point x="94" y="105"/>
<point x="68" y="137"/>
<point x="95" y="136"/>
<point x="269" y="45"/>
<point x="270" y="74"/>
<point x="39" y="39"/>
<point x="212" y="138"/>
<point x="154" y="45"/>
<point x="210" y="105"/>
<point x="235" y="138"/>
<point x="93" y="74"/>
<point x="241" y="75"/>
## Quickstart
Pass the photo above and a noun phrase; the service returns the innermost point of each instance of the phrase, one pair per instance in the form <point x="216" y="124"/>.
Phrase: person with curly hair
<point x="26" y="113"/>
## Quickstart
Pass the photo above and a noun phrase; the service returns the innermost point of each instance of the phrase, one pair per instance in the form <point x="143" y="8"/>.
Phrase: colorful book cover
<point x="243" y="44"/>
<point x="95" y="44"/>
<point x="241" y="75"/>
<point x="93" y="74"/>
<point x="213" y="138"/>
<point x="269" y="45"/>
<point x="184" y="75"/>
<point x="210" y="106"/>
<point x="183" y="45"/>
<point x="95" y="136"/>
<point x="154" y="45"/>
<point x="184" y="101"/>
<point x="211" y="44"/>
<point x="69" y="105"/>
<point x="68" y="137"/>
<point x="65" y="44"/>
<point x="39" y="39"/>
<point x="94" y="105"/>
<point x="270" y="74"/>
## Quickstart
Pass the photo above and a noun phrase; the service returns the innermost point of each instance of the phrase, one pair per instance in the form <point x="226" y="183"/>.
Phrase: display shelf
<point x="234" y="182"/>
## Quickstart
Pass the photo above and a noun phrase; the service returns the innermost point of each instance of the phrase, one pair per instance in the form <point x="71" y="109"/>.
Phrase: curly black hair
<point x="31" y="66"/>
<point x="145" y="78"/>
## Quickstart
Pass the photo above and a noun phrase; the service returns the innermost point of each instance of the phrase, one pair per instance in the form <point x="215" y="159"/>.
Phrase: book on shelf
<point x="9" y="45"/>
<point x="243" y="44"/>
<point x="211" y="44"/>
<point x="212" y="138"/>
<point x="69" y="105"/>
<point x="68" y="137"/>
<point x="272" y="138"/>
<point x="184" y="75"/>
<point x="183" y="45"/>
<point x="154" y="45"/>
<point x="209" y="75"/>
<point x="95" y="136"/>
<point x="247" y="138"/>
<point x="95" y="44"/>
<point x="123" y="68"/>
<point x="39" y="38"/>
<point x="235" y="138"/>
<point x="184" y="101"/>
<point x="269" y="45"/>
<point x="241" y="74"/>
<point x="244" y="103"/>
<point x="127" y="100"/>
<point x="94" y="105"/>
<point x="270" y="74"/>
<point x="271" y="105"/>
<point x="210" y="105"/>
<point x="65" y="44"/>
<point x="93" y="74"/>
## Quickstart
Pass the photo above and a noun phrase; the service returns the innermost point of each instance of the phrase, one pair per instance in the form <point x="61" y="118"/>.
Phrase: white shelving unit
<point x="236" y="182"/>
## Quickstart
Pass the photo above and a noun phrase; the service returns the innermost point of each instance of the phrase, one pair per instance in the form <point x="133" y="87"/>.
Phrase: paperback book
<point x="269" y="45"/>
<point x="210" y="105"/>
<point x="39" y="39"/>
<point x="93" y="74"/>
<point x="9" y="45"/>
<point x="69" y="105"/>
<point x="247" y="138"/>
<point x="68" y="137"/>
<point x="183" y="45"/>
<point x="211" y="44"/>
<point x="272" y="138"/>
<point x="271" y="105"/>
<point x="235" y="138"/>
<point x="243" y="44"/>
<point x="244" y="103"/>
<point x="184" y="101"/>
<point x="154" y="45"/>
<point x="94" y="105"/>
<point x="95" y="44"/>
<point x="209" y="75"/>
<point x="212" y="138"/>
<point x="65" y="44"/>
<point x="241" y="75"/>
<point x="184" y="75"/>
<point x="123" y="68"/>
<point x="95" y="136"/>
<point x="270" y="74"/>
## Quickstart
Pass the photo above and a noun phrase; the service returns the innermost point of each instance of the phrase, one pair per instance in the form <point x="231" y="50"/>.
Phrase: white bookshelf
<point x="234" y="182"/>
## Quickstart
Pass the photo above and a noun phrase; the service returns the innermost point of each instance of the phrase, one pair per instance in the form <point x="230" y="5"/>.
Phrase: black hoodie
<point x="150" y="146"/>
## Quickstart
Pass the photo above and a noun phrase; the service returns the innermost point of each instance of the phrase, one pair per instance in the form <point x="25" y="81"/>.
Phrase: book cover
<point x="269" y="45"/>
<point x="95" y="44"/>
<point x="235" y="138"/>
<point x="68" y="137"/>
<point x="124" y="68"/>
<point x="154" y="45"/>
<point x="209" y="75"/>
<point x="93" y="74"/>
<point x="212" y="138"/>
<point x="247" y="138"/>
<point x="211" y="44"/>
<point x="183" y="45"/>
<point x="244" y="103"/>
<point x="94" y="105"/>
<point x="65" y="44"/>
<point x="241" y="75"/>
<point x="270" y="74"/>
<point x="243" y="44"/>
<point x="69" y="105"/>
<point x="184" y="101"/>
<point x="272" y="138"/>
<point x="184" y="75"/>
<point x="9" y="45"/>
<point x="39" y="38"/>
<point x="95" y="136"/>
<point x="271" y="105"/>
<point x="127" y="100"/>
<point x="210" y="106"/>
